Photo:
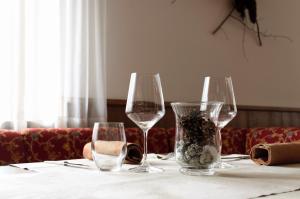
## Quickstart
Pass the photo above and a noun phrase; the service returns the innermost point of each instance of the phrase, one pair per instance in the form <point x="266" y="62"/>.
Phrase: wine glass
<point x="221" y="89"/>
<point x="145" y="107"/>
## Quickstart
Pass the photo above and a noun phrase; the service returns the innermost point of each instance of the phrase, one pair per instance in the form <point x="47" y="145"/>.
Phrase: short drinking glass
<point x="108" y="145"/>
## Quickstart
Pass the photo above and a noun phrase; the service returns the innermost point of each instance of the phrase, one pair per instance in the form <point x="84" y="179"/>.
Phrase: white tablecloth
<point x="246" y="180"/>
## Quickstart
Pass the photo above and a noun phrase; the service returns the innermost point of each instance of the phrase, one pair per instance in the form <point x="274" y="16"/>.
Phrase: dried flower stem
<point x="244" y="39"/>
<point x="258" y="34"/>
<point x="261" y="33"/>
<point x="224" y="20"/>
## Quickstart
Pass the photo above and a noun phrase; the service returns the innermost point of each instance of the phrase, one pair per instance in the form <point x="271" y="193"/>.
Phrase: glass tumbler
<point x="109" y="145"/>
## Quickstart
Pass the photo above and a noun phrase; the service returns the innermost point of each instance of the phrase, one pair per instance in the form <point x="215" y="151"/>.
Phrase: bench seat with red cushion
<point x="40" y="144"/>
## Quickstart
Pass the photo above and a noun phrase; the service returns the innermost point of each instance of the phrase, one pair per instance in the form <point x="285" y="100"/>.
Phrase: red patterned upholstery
<point x="39" y="144"/>
<point x="234" y="140"/>
<point x="134" y="135"/>
<point x="11" y="147"/>
<point x="271" y="135"/>
<point x="157" y="139"/>
<point x="55" y="144"/>
<point x="172" y="134"/>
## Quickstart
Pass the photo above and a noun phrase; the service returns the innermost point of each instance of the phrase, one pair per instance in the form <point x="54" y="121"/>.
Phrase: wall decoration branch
<point x="243" y="7"/>
<point x="246" y="9"/>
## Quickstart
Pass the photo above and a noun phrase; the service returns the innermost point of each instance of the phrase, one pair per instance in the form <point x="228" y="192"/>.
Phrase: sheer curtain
<point x="52" y="63"/>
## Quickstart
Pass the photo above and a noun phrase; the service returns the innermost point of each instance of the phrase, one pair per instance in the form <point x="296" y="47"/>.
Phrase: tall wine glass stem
<point x="220" y="163"/>
<point x="144" y="160"/>
<point x="219" y="139"/>
<point x="145" y="167"/>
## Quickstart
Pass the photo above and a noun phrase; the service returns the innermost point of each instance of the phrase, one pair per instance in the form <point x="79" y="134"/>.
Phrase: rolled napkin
<point x="275" y="154"/>
<point x="134" y="152"/>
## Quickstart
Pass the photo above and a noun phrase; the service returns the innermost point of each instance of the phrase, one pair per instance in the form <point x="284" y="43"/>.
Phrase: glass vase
<point x="197" y="142"/>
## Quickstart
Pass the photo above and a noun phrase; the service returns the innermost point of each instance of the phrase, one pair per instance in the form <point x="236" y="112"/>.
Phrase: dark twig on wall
<point x="263" y="34"/>
<point x="223" y="21"/>
<point x="244" y="39"/>
<point x="258" y="34"/>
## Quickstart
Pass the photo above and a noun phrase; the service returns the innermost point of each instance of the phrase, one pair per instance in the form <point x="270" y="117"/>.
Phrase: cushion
<point x="271" y="135"/>
<point x="55" y="143"/>
<point x="171" y="134"/>
<point x="233" y="140"/>
<point x="157" y="139"/>
<point x="11" y="147"/>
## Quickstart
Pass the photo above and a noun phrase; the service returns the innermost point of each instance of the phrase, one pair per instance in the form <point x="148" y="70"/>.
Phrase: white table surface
<point x="245" y="180"/>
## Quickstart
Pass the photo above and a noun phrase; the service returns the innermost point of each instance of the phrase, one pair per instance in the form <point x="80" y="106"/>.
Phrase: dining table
<point x="80" y="179"/>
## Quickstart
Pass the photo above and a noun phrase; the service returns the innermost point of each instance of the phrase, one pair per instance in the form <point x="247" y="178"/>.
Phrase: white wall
<point x="176" y="41"/>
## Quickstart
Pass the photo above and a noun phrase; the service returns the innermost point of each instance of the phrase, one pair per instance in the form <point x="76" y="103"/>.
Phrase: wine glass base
<point x="223" y="165"/>
<point x="146" y="169"/>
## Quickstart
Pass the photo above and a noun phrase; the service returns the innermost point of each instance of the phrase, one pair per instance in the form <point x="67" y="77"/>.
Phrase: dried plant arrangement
<point x="198" y="145"/>
<point x="247" y="9"/>
<point x="243" y="7"/>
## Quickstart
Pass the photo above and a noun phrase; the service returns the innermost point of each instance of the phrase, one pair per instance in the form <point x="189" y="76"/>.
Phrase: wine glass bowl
<point x="145" y="114"/>
<point x="145" y="107"/>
